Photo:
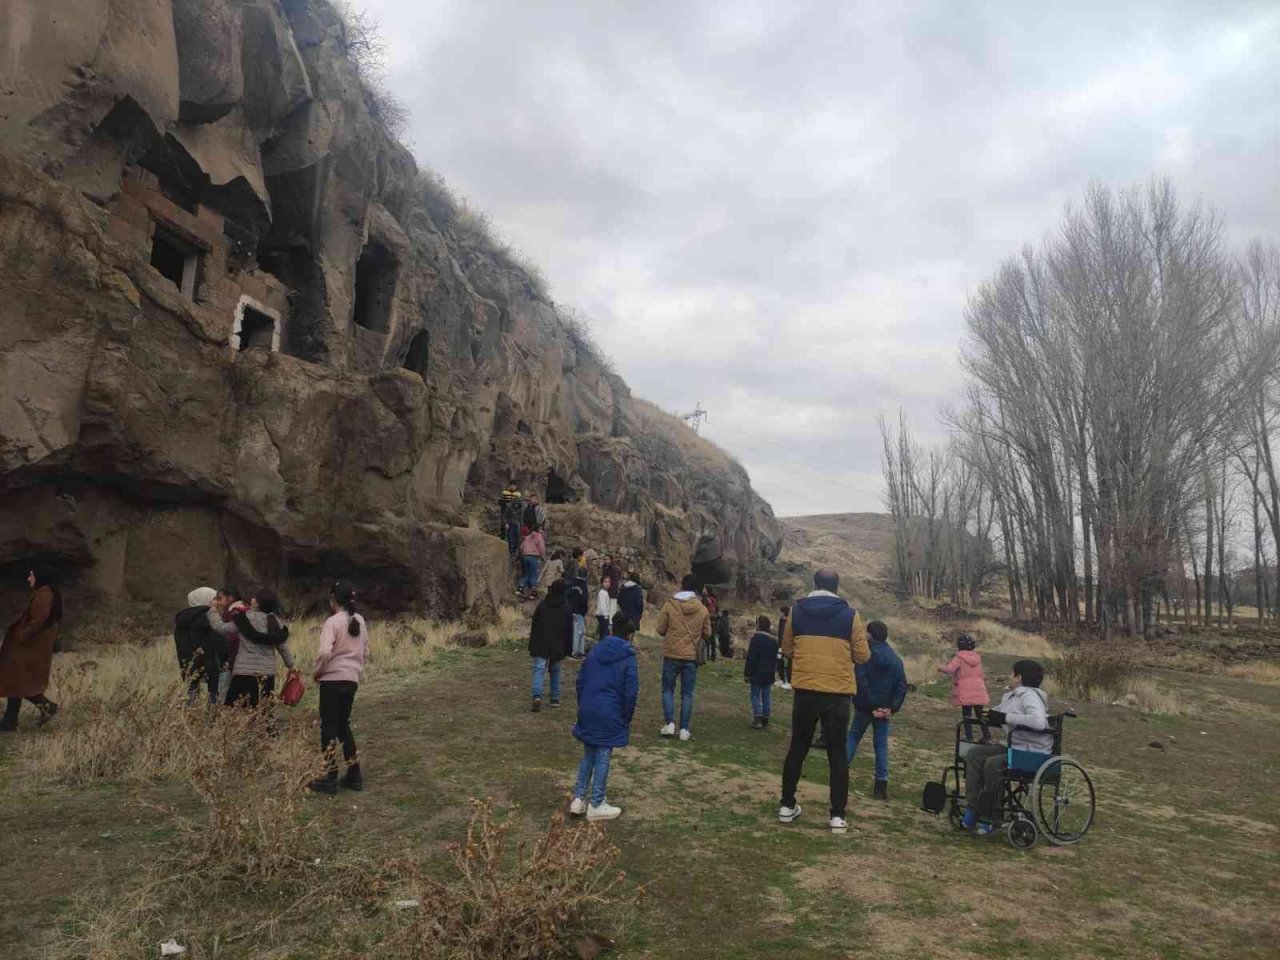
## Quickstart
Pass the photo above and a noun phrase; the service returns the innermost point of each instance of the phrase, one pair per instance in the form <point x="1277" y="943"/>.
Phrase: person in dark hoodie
<point x="577" y="599"/>
<point x="762" y="655"/>
<point x="608" y="687"/>
<point x="263" y="636"/>
<point x="631" y="599"/>
<point x="201" y="651"/>
<point x="550" y="640"/>
<point x="1025" y="711"/>
<point x="824" y="638"/>
<point x="882" y="687"/>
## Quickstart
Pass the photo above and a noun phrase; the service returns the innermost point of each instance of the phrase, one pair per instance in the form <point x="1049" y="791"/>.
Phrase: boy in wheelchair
<point x="1024" y="711"/>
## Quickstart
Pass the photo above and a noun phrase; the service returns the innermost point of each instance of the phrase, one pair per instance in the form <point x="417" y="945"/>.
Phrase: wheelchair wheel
<point x="1022" y="832"/>
<point x="1064" y="800"/>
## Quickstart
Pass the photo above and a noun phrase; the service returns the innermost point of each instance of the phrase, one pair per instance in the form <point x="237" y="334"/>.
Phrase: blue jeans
<point x="687" y="671"/>
<point x="513" y="538"/>
<point x="542" y="666"/>
<point x="593" y="771"/>
<point x="879" y="737"/>
<point x="761" y="699"/>
<point x="530" y="566"/>
<point x="579" y="634"/>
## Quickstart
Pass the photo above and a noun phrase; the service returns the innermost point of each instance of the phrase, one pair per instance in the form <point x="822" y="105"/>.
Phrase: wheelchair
<point x="1047" y="794"/>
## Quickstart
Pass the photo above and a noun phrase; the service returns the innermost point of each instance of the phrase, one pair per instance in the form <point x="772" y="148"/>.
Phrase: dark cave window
<point x="375" y="288"/>
<point x="257" y="330"/>
<point x="176" y="260"/>
<point x="419" y="353"/>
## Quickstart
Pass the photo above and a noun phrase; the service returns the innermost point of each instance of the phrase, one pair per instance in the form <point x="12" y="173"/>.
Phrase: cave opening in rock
<point x="257" y="330"/>
<point x="375" y="287"/>
<point x="419" y="353"/>
<point x="715" y="572"/>
<point x="176" y="260"/>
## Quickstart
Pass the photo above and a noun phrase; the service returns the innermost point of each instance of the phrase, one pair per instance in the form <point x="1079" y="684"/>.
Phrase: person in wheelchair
<point x="1024" y="711"/>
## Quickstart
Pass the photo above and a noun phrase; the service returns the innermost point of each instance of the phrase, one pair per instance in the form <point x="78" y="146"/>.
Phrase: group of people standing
<point x="229" y="648"/>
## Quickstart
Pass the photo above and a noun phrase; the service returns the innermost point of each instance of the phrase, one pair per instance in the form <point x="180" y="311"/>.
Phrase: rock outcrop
<point x="243" y="338"/>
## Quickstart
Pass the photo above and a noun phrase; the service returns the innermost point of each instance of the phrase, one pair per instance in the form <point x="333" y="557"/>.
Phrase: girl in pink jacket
<point x="339" y="666"/>
<point x="968" y="686"/>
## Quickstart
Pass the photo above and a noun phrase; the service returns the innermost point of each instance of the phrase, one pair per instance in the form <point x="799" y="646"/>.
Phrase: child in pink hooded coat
<point x="968" y="686"/>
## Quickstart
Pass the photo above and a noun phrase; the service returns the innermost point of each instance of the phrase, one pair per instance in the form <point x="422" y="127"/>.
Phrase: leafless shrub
<point x="1090" y="671"/>
<point x="496" y="906"/>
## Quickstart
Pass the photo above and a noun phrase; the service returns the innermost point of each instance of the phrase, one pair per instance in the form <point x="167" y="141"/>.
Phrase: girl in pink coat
<point x="968" y="686"/>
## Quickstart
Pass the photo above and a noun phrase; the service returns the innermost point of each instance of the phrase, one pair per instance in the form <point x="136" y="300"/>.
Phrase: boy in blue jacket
<point x="882" y="686"/>
<point x="762" y="658"/>
<point x="608" y="685"/>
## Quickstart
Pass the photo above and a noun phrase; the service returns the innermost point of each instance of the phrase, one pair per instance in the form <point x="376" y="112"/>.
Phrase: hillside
<point x="857" y="545"/>
<point x="241" y="322"/>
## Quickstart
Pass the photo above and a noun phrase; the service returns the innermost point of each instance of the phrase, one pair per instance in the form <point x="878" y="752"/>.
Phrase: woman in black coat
<point x="550" y="640"/>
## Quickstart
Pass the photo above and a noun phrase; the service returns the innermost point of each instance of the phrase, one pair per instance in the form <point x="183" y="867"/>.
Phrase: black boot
<point x="764" y="723"/>
<point x="328" y="784"/>
<point x="881" y="790"/>
<point x="756" y="724"/>
<point x="352" y="779"/>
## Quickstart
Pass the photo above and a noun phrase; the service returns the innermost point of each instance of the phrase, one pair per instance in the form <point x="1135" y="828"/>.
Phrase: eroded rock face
<point x="239" y="346"/>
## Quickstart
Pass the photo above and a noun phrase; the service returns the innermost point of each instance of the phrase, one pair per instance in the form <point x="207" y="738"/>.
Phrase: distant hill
<point x="857" y="545"/>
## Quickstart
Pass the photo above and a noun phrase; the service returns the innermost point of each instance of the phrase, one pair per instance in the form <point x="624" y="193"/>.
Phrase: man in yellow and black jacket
<point x="823" y="639"/>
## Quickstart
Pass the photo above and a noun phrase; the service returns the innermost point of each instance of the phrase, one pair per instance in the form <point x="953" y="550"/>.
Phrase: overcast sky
<point x="778" y="208"/>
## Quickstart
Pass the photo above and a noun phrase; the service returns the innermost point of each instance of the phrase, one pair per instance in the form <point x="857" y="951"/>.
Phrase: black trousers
<point x="336" y="700"/>
<point x="809" y="709"/>
<point x="250" y="690"/>
<point x="784" y="669"/>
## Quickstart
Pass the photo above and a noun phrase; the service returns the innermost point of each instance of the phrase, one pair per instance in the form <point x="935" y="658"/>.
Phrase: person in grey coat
<point x="263" y="637"/>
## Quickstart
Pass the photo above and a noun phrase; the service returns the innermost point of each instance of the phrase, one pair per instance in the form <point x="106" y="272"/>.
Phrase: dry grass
<point x="997" y="638"/>
<point x="1260" y="671"/>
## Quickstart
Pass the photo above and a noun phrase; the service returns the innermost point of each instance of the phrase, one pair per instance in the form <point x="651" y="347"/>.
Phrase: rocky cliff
<point x="244" y="338"/>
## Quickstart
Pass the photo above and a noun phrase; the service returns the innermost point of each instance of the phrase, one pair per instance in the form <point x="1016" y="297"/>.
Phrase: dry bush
<point x="1149" y="697"/>
<point x="497" y="906"/>
<point x="1090" y="672"/>
<point x="252" y="780"/>
<point x="921" y="668"/>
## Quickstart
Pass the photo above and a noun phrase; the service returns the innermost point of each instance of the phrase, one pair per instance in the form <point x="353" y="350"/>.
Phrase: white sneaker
<point x="685" y="735"/>
<point x="786" y="686"/>
<point x="838" y="825"/>
<point x="788" y="814"/>
<point x="606" y="811"/>
<point x="669" y="730"/>
<point x="577" y="806"/>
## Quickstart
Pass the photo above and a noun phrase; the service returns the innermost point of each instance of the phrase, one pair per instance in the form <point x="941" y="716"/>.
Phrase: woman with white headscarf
<point x="200" y="650"/>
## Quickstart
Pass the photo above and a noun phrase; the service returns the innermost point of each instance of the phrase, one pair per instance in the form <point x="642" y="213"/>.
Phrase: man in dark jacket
<point x="631" y="599"/>
<point x="201" y="652"/>
<point x="578" y="601"/>
<point x="608" y="687"/>
<point x="550" y="640"/>
<point x="762" y="654"/>
<point x="882" y="686"/>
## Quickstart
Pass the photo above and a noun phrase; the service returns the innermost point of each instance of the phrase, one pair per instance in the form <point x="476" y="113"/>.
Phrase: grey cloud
<point x="778" y="208"/>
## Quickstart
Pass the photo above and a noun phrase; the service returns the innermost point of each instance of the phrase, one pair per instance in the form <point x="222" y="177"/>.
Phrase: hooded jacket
<point x="608" y="686"/>
<point x="824" y="638"/>
<point x="882" y="681"/>
<point x="199" y="647"/>
<point x="762" y="659"/>
<point x="576" y="596"/>
<point x="968" y="686"/>
<point x="551" y="633"/>
<point x="631" y="601"/>
<point x="1026" y="717"/>
<point x="683" y="623"/>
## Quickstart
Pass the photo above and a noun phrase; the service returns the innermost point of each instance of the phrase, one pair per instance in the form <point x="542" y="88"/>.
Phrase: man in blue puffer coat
<point x="882" y="686"/>
<point x="608" y="685"/>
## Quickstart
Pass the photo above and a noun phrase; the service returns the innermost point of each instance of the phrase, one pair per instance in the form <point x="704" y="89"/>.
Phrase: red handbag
<point x="293" y="689"/>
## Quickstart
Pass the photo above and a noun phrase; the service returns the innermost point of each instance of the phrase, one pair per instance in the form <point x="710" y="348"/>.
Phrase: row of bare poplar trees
<point x="1112" y="450"/>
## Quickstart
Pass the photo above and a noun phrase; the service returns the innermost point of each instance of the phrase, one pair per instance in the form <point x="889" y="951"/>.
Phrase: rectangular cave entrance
<point x="375" y="287"/>
<point x="257" y="330"/>
<point x="176" y="260"/>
